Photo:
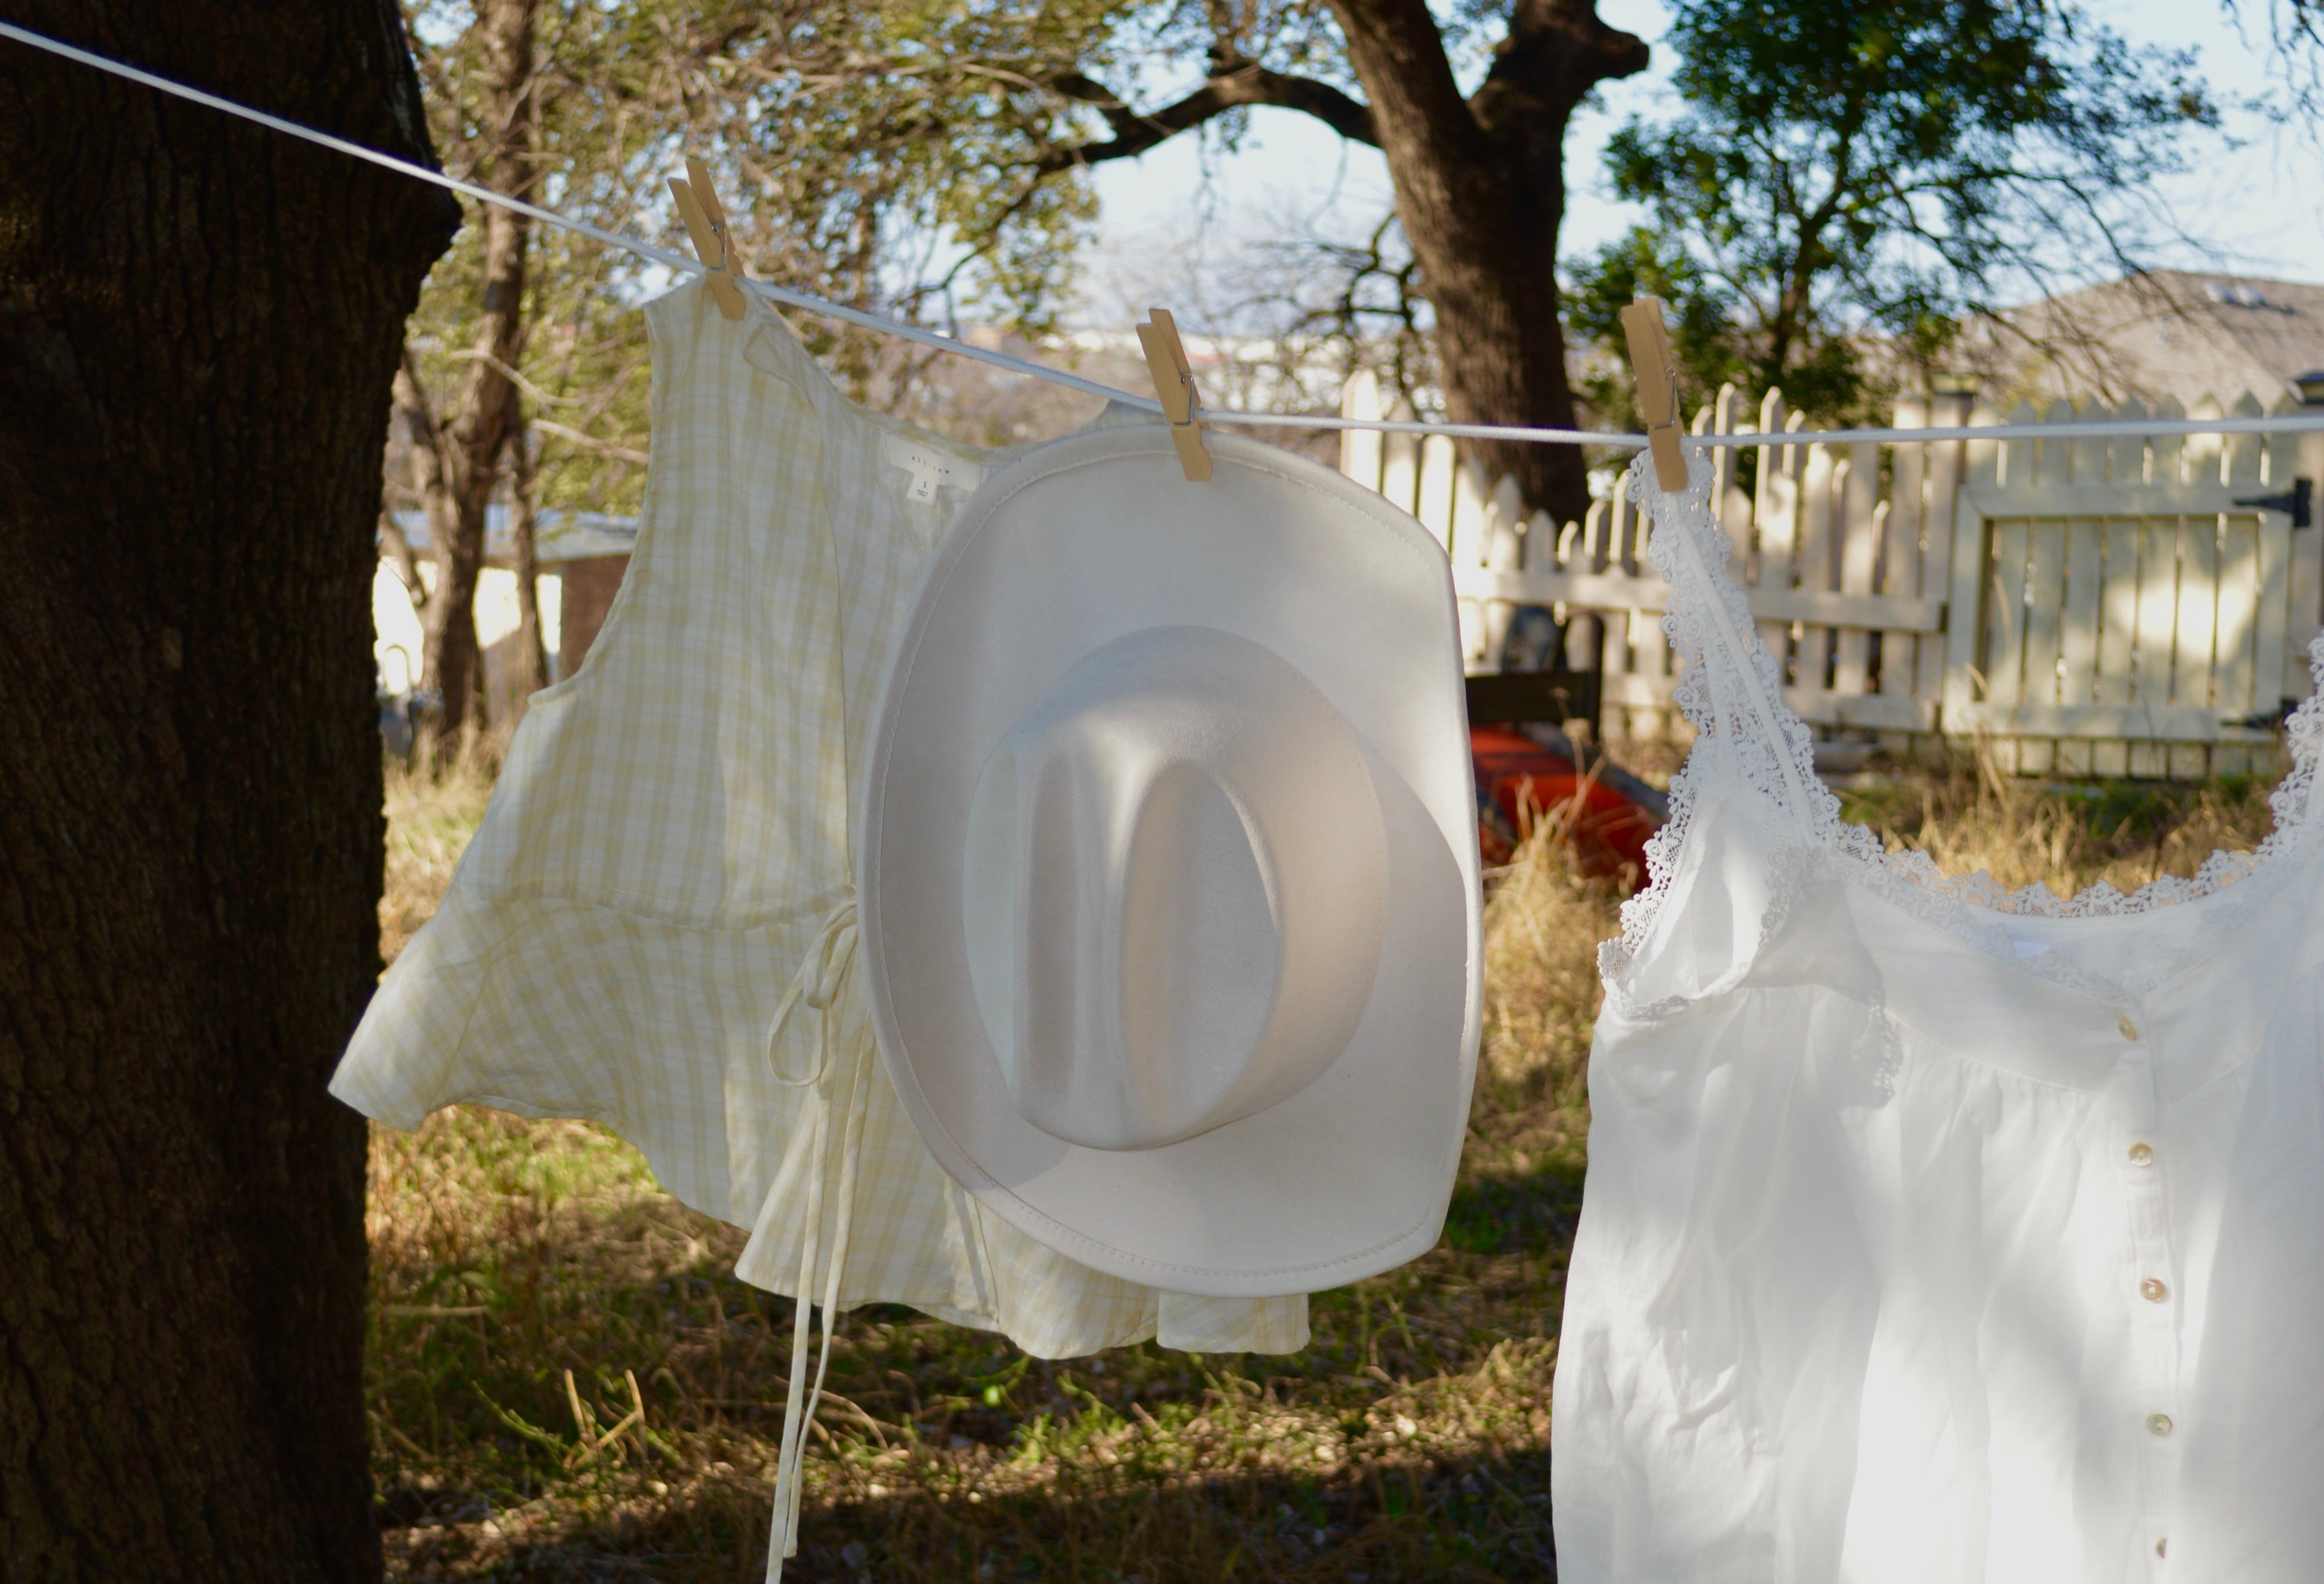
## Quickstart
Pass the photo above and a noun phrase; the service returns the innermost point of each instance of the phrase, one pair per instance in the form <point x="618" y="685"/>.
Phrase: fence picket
<point x="2193" y="654"/>
<point x="1401" y="466"/>
<point x="1861" y="523"/>
<point x="2004" y="653"/>
<point x="1964" y="606"/>
<point x="1900" y="554"/>
<point x="2045" y="607"/>
<point x="1777" y="511"/>
<point x="1504" y="551"/>
<point x="2013" y="548"/>
<point x="2288" y="560"/>
<point x="2097" y="606"/>
<point x="1359" y="449"/>
<point x="2118" y="596"/>
<point x="1940" y="464"/>
<point x="1433" y="507"/>
<point x="1816" y="565"/>
<point x="2078" y="637"/>
<point x="1724" y="417"/>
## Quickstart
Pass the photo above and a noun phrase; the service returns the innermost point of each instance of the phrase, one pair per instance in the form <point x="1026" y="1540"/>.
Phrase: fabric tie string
<point x="821" y="978"/>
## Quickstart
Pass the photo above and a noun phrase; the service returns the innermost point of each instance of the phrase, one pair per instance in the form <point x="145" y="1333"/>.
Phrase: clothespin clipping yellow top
<point x="1174" y="383"/>
<point x="706" y="222"/>
<point x="1657" y="377"/>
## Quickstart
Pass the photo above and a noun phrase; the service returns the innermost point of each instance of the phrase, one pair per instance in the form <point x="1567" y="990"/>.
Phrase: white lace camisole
<point x="1935" y="1233"/>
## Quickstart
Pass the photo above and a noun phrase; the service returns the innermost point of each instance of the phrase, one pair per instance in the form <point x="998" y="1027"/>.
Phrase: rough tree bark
<point x="1480" y="186"/>
<point x="198" y="323"/>
<point x="479" y="428"/>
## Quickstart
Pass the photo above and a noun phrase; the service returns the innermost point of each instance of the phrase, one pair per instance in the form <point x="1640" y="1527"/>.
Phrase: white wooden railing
<point x="2091" y="606"/>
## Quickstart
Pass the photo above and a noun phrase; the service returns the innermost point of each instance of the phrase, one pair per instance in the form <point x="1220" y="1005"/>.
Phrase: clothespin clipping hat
<point x="1168" y="866"/>
<point x="1173" y="386"/>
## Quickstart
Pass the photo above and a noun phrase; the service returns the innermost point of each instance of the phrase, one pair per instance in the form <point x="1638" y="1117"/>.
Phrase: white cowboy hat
<point x="1168" y="866"/>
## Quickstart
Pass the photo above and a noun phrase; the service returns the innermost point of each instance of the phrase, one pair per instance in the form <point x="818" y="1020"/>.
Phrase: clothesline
<point x="2289" y="423"/>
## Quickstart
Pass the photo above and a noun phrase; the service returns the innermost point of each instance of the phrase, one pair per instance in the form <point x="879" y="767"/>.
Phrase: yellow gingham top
<point x="668" y="849"/>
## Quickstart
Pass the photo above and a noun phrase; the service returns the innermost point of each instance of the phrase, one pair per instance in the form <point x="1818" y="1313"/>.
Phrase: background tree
<point x="2296" y="29"/>
<point x="1470" y="110"/>
<point x="852" y="147"/>
<point x="929" y="159"/>
<point x="456" y="459"/>
<point x="1837" y="166"/>
<point x="198" y="323"/>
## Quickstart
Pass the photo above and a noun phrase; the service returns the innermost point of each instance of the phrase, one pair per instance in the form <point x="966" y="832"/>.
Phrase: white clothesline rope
<point x="2288" y="423"/>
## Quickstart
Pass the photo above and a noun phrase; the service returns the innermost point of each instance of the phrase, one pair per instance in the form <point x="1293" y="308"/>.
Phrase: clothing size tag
<point x="930" y="470"/>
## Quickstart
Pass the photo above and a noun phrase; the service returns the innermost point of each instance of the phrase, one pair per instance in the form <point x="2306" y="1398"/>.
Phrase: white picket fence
<point x="2090" y="606"/>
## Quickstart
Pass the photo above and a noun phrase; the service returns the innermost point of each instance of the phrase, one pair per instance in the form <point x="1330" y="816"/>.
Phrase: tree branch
<point x="1556" y="52"/>
<point x="589" y="443"/>
<point x="1235" y="85"/>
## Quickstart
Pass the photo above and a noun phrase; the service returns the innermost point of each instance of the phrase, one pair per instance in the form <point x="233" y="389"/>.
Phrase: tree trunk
<point x="1480" y="187"/>
<point x="524" y="552"/>
<point x="198" y="323"/>
<point x="427" y="481"/>
<point x="479" y="430"/>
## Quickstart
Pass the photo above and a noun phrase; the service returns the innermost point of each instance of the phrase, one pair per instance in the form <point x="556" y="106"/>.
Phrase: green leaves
<point x="876" y="154"/>
<point x="1841" y="167"/>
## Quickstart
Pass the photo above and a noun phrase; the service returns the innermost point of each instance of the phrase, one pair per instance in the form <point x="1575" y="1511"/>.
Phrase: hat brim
<point x="1070" y="548"/>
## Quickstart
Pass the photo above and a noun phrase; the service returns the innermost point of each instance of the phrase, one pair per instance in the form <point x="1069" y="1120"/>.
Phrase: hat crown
<point x="1174" y="889"/>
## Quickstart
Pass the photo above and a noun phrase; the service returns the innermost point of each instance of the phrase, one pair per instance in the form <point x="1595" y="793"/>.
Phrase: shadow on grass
<point x="1409" y="1440"/>
<point x="1512" y="1213"/>
<point x="1478" y="1518"/>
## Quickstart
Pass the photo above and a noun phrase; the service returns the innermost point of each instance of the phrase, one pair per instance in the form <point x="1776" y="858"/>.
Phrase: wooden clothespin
<point x="1174" y="383"/>
<point x="1657" y="375"/>
<point x="714" y="245"/>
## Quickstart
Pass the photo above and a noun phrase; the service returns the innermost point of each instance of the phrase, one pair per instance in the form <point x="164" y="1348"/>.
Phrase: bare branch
<point x="590" y="443"/>
<point x="1235" y="86"/>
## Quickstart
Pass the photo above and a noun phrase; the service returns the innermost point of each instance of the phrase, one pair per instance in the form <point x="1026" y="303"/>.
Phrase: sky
<point x="2256" y="210"/>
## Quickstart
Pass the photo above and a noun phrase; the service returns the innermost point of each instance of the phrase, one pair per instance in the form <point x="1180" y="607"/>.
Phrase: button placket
<point x="2149" y="1297"/>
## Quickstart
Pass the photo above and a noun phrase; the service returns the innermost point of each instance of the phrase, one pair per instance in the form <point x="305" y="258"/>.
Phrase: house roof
<point x="2168" y="333"/>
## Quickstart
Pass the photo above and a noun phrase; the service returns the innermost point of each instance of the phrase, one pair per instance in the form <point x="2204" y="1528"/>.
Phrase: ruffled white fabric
<point x="1934" y="1232"/>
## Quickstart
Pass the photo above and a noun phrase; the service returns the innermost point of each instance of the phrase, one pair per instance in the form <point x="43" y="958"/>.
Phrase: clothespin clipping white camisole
<point x="1932" y="1233"/>
<point x="654" y="926"/>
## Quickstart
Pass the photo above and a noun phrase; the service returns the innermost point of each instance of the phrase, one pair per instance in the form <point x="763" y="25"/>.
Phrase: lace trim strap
<point x="1736" y="691"/>
<point x="1731" y="688"/>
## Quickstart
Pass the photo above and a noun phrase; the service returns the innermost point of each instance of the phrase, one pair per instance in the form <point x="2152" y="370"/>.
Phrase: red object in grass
<point x="1520" y="782"/>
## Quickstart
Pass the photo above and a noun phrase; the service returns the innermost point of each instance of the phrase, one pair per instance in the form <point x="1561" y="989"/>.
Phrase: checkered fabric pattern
<point x="667" y="851"/>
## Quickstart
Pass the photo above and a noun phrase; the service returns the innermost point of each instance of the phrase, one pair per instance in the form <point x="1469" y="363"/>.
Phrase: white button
<point x="2142" y="1154"/>
<point x="2129" y="1029"/>
<point x="2153" y="1291"/>
<point x="2159" y="1424"/>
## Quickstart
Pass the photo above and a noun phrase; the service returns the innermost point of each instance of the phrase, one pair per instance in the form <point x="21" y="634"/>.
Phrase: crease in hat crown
<point x="1173" y="891"/>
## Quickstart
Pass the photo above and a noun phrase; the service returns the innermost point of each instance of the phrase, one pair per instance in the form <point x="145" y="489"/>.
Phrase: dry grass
<point x="1961" y="810"/>
<point x="1410" y="1439"/>
<point x="429" y="820"/>
<point x="525" y="1274"/>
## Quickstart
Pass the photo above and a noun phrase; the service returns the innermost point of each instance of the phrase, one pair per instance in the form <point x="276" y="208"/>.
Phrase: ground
<point x="567" y="1383"/>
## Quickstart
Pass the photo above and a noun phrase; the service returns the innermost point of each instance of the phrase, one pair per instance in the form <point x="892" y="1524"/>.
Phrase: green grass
<point x="1409" y="1440"/>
